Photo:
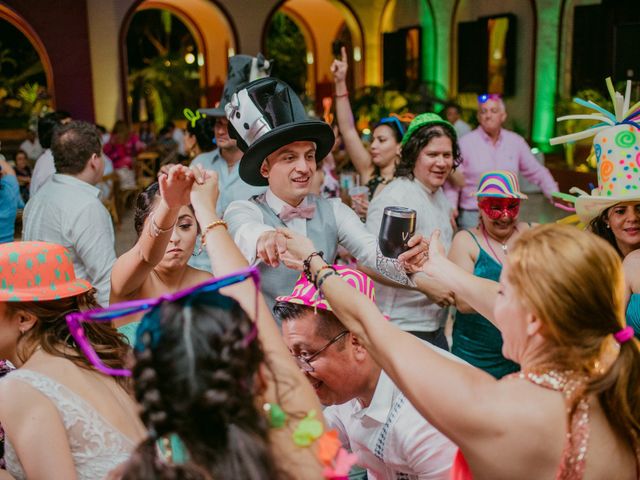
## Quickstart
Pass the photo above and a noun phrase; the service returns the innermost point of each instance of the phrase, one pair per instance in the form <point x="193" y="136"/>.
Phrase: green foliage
<point x="372" y="103"/>
<point x="21" y="101"/>
<point x="165" y="84"/>
<point x="286" y="46"/>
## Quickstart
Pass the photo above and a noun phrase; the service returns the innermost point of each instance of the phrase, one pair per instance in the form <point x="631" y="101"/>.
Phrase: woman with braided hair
<point x="213" y="372"/>
<point x="198" y="381"/>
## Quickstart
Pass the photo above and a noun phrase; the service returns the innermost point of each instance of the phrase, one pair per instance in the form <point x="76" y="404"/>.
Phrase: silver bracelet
<point x="155" y="230"/>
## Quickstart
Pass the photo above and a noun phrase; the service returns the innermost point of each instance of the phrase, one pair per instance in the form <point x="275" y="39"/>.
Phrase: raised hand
<point x="204" y="191"/>
<point x="175" y="186"/>
<point x="339" y="67"/>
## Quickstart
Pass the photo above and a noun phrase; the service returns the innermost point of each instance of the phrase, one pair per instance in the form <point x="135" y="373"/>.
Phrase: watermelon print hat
<point x="37" y="272"/>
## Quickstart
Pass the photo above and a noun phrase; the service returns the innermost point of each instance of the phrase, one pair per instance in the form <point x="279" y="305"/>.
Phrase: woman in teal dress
<point x="631" y="266"/>
<point x="482" y="251"/>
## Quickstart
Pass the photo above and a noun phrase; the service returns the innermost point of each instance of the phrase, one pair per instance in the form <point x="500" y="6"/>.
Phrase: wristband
<point x="307" y="264"/>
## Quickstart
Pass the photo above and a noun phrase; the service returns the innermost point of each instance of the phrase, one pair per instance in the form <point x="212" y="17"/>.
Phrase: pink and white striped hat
<point x="305" y="293"/>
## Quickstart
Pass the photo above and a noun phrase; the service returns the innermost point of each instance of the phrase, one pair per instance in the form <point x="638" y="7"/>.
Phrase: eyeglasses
<point x="305" y="362"/>
<point x="496" y="208"/>
<point x="395" y="121"/>
<point x="191" y="295"/>
<point x="485" y="97"/>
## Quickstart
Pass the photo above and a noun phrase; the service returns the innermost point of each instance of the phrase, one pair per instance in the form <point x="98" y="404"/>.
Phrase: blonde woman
<point x="573" y="412"/>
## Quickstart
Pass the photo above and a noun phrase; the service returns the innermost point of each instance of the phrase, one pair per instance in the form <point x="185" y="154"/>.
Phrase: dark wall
<point x="62" y="26"/>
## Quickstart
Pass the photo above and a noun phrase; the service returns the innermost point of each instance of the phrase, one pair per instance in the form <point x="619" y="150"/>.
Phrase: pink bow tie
<point x="305" y="211"/>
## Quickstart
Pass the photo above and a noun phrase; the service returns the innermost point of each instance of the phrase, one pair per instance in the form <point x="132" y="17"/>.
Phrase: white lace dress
<point x="97" y="446"/>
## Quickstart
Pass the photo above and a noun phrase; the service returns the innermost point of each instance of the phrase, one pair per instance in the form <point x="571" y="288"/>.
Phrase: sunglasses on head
<point x="189" y="296"/>
<point x="485" y="97"/>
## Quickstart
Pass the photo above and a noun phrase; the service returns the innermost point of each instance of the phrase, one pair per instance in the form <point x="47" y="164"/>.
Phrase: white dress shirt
<point x="42" y="172"/>
<point x="392" y="440"/>
<point x="409" y="309"/>
<point x="67" y="211"/>
<point x="246" y="224"/>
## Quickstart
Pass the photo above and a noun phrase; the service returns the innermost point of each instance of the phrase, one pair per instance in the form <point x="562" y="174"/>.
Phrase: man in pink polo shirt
<point x="491" y="147"/>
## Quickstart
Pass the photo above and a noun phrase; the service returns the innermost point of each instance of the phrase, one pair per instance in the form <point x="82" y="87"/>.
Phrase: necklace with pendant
<point x="504" y="246"/>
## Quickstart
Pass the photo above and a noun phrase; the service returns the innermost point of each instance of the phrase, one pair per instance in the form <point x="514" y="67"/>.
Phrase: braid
<point x="198" y="382"/>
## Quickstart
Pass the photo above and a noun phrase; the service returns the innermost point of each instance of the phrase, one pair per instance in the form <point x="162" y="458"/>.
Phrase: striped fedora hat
<point x="499" y="184"/>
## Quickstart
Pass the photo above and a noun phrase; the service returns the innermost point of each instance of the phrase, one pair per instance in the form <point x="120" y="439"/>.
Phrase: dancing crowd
<point x="256" y="330"/>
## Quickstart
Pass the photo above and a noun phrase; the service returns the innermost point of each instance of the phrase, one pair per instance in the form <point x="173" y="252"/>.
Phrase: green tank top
<point x="475" y="339"/>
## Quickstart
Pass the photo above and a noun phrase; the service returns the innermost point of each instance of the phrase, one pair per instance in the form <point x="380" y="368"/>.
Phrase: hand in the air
<point x="175" y="186"/>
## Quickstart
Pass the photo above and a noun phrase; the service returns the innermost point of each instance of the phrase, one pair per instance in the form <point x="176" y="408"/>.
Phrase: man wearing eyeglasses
<point x="491" y="147"/>
<point x="373" y="419"/>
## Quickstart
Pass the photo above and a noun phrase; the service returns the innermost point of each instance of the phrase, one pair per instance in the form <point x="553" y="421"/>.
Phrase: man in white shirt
<point x="452" y="113"/>
<point x="44" y="168"/>
<point x="373" y="418"/>
<point x="281" y="147"/>
<point x="31" y="146"/>
<point x="67" y="210"/>
<point x="429" y="153"/>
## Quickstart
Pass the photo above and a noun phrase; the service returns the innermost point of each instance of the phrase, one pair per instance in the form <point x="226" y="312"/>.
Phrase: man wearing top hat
<point x="281" y="148"/>
<point x="225" y="159"/>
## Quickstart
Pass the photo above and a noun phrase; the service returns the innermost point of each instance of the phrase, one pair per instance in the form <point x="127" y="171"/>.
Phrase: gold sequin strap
<point x="572" y="386"/>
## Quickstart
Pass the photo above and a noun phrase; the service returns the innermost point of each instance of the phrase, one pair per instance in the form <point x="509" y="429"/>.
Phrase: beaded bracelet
<point x="307" y="264"/>
<point x="324" y="277"/>
<point x="155" y="230"/>
<point x="203" y="237"/>
<point x="342" y="95"/>
<point x="322" y="268"/>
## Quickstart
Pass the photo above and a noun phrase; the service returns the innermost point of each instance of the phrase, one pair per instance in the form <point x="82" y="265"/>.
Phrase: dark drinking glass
<point x="397" y="227"/>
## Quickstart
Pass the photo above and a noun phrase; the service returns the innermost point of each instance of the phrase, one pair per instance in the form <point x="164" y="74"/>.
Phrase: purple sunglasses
<point x="75" y="319"/>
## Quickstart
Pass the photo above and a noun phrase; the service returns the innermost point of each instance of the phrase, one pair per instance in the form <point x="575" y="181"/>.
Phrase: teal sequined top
<point x="633" y="313"/>
<point x="475" y="339"/>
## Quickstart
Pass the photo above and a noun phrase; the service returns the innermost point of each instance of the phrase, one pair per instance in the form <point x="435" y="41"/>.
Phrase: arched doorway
<point x="322" y="24"/>
<point x="484" y="34"/>
<point x="26" y="76"/>
<point x="200" y="56"/>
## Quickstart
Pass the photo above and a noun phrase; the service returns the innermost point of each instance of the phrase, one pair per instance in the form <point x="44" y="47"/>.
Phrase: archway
<point x="409" y="27"/>
<point x="523" y="24"/>
<point x="26" y="75"/>
<point x="323" y="22"/>
<point x="214" y="39"/>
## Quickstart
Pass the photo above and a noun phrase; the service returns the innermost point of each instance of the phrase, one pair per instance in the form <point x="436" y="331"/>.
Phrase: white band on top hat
<point x="246" y="117"/>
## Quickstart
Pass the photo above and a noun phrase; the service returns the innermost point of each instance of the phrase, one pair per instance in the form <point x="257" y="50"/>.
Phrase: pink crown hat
<point x="617" y="148"/>
<point x="305" y="293"/>
<point x="499" y="184"/>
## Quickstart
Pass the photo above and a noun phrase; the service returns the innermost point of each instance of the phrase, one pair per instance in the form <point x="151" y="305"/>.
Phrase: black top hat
<point x="242" y="70"/>
<point x="267" y="115"/>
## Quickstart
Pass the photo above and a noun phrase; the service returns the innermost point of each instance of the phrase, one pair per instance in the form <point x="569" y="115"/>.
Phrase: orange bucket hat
<point x="36" y="272"/>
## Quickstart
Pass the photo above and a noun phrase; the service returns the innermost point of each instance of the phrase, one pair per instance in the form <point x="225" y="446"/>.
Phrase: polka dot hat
<point x="37" y="271"/>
